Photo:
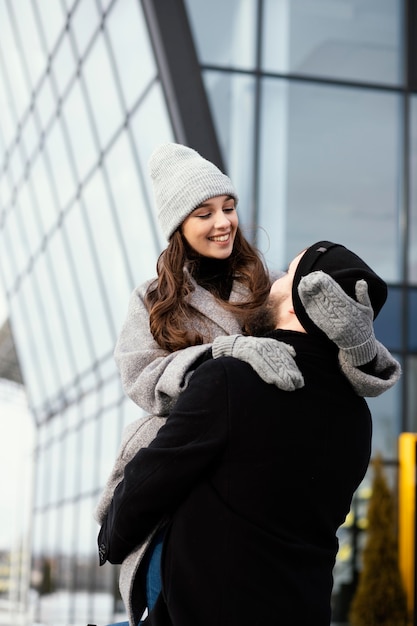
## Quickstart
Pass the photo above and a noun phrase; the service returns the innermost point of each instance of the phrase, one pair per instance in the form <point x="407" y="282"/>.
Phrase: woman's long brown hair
<point x="171" y="317"/>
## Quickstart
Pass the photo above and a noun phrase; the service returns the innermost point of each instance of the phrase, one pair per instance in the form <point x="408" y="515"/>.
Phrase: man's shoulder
<point x="225" y="366"/>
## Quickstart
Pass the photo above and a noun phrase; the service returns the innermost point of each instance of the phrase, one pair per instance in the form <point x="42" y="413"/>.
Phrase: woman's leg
<point x="153" y="569"/>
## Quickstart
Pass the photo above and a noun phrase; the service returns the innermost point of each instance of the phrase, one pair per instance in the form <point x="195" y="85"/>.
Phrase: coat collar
<point x="206" y="304"/>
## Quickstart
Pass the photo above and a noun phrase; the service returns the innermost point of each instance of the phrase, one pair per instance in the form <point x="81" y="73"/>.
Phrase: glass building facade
<point x="311" y="108"/>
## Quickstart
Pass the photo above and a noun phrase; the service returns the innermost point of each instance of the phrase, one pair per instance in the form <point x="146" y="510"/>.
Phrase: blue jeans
<point x="151" y="573"/>
<point x="152" y="568"/>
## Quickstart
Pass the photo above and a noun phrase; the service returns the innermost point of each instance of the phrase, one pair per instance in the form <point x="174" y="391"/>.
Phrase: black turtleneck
<point x="214" y="275"/>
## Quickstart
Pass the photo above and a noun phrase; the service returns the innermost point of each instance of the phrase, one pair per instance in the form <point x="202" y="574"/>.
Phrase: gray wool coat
<point x="154" y="378"/>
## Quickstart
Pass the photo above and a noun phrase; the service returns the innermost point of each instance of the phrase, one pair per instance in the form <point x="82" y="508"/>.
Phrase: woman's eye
<point x="204" y="216"/>
<point x="229" y="209"/>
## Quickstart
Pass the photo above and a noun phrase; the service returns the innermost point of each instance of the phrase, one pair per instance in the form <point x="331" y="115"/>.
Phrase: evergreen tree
<point x="380" y="598"/>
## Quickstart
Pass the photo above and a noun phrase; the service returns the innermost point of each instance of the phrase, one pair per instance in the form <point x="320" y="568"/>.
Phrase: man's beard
<point x="264" y="319"/>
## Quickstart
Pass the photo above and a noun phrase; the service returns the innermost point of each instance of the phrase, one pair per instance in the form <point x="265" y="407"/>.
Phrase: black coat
<point x="257" y="481"/>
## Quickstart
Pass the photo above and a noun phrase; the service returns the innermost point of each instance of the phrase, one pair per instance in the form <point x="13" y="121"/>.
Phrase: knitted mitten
<point x="347" y="322"/>
<point x="272" y="360"/>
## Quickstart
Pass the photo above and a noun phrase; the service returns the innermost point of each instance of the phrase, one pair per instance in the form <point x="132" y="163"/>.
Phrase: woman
<point x="208" y="278"/>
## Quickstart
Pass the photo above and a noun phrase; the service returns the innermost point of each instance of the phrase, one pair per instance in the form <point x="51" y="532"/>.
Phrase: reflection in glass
<point x="224" y="32"/>
<point x="341" y="179"/>
<point x="350" y="40"/>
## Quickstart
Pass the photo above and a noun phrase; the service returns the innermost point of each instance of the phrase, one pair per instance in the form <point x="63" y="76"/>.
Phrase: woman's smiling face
<point x="211" y="228"/>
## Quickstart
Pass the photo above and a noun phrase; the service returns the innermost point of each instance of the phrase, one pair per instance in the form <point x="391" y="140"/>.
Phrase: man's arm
<point x="159" y="477"/>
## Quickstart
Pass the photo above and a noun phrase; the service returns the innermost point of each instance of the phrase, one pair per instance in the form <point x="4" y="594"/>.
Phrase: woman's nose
<point x="221" y="220"/>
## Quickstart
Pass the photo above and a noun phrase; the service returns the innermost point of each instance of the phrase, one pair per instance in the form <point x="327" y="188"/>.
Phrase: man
<point x="255" y="480"/>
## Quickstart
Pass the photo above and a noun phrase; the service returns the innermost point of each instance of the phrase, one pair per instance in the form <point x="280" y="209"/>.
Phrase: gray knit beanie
<point x="182" y="180"/>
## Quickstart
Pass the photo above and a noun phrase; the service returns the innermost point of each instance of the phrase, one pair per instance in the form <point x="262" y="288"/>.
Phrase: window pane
<point x="150" y="126"/>
<point x="15" y="88"/>
<point x="73" y="320"/>
<point x="102" y="91"/>
<point x="388" y="324"/>
<point x="52" y="22"/>
<point x="108" y="244"/>
<point x="45" y="102"/>
<point x="232" y="99"/>
<point x="224" y="31"/>
<point x="412" y="233"/>
<point x="130" y="41"/>
<point x="63" y="64"/>
<point x="333" y="167"/>
<point x="412" y="394"/>
<point x="386" y="415"/>
<point x="42" y="187"/>
<point x="85" y="21"/>
<point x="15" y="233"/>
<point x="351" y="40"/>
<point x="59" y="160"/>
<point x="29" y="35"/>
<point x="80" y="131"/>
<point x="88" y="280"/>
<point x="138" y="238"/>
<point x="38" y="371"/>
<point x="412" y="321"/>
<point x="30" y="136"/>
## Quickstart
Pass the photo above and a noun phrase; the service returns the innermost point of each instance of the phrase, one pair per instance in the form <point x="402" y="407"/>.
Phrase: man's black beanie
<point x="345" y="267"/>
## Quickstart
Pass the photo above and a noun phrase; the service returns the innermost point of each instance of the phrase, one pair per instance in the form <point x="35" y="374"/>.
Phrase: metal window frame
<point x="181" y="78"/>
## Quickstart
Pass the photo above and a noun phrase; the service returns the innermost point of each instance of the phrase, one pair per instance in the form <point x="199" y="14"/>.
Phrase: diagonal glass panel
<point x="132" y="49"/>
<point x="102" y="90"/>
